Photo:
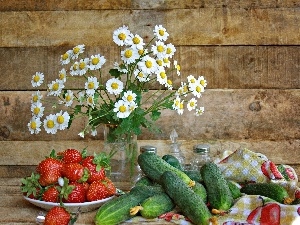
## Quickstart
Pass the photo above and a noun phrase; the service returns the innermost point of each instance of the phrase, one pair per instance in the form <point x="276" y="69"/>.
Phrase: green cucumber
<point x="144" y="181"/>
<point x="154" y="166"/>
<point x="117" y="210"/>
<point x="190" y="203"/>
<point x="154" y="206"/>
<point x="172" y="160"/>
<point x="270" y="190"/>
<point x="218" y="193"/>
<point x="200" y="190"/>
<point x="234" y="189"/>
<point x="194" y="175"/>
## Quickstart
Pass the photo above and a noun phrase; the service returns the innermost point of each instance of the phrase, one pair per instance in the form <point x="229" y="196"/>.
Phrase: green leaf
<point x="155" y="115"/>
<point x="115" y="73"/>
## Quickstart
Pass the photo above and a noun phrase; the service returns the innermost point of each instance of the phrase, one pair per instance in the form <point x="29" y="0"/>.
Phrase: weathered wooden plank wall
<point x="249" y="52"/>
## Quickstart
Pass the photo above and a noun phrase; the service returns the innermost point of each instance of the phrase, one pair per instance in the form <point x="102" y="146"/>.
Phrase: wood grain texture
<point x="233" y="67"/>
<point x="203" y="26"/>
<point x="258" y="114"/>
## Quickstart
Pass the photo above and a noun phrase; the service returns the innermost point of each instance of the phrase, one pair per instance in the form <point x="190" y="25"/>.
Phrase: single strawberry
<point x="31" y="187"/>
<point x="78" y="194"/>
<point x="75" y="172"/>
<point x="71" y="156"/>
<point x="49" y="170"/>
<point x="57" y="215"/>
<point x="97" y="165"/>
<point x="97" y="191"/>
<point x="111" y="188"/>
<point x="51" y="194"/>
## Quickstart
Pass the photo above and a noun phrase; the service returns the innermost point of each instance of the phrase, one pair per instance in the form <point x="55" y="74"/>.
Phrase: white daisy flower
<point x="66" y="57"/>
<point x="90" y="100"/>
<point x="50" y="124"/>
<point x="94" y="131"/>
<point x="37" y="79"/>
<point x="177" y="67"/>
<point x="202" y="81"/>
<point x="199" y="111"/>
<point x="191" y="80"/>
<point x="91" y="85"/>
<point x="129" y="55"/>
<point x="159" y="49"/>
<point x="81" y="134"/>
<point x="68" y="98"/>
<point x="166" y="62"/>
<point x="147" y="65"/>
<point x="120" y="68"/>
<point x="122" y="36"/>
<point x="180" y="107"/>
<point x="192" y="103"/>
<point x="62" y="120"/>
<point x="74" y="70"/>
<point x="62" y="75"/>
<point x="197" y="89"/>
<point x="55" y="87"/>
<point x="114" y="86"/>
<point x="169" y="84"/>
<point x="141" y="76"/>
<point x="37" y="109"/>
<point x="77" y="50"/>
<point x="132" y="106"/>
<point x="36" y="97"/>
<point x="176" y="103"/>
<point x="160" y="32"/>
<point x="162" y="76"/>
<point x="34" y="125"/>
<point x="170" y="50"/>
<point x="81" y="97"/>
<point x="122" y="109"/>
<point x="137" y="42"/>
<point x="182" y="90"/>
<point x="96" y="62"/>
<point x="129" y="96"/>
<point x="83" y="66"/>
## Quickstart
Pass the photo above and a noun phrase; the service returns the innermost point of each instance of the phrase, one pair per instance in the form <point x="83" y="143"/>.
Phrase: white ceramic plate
<point x="72" y="207"/>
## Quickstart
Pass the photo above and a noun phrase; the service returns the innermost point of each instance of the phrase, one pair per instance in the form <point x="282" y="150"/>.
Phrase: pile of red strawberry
<point x="70" y="176"/>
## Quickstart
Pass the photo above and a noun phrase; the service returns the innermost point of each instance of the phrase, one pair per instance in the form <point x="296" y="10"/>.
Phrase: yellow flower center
<point x="141" y="51"/>
<point x="68" y="98"/>
<point x="159" y="62"/>
<point x="148" y="64"/>
<point x="55" y="87"/>
<point x="61" y="76"/>
<point x="185" y="88"/>
<point x="76" y="50"/>
<point x="166" y="60"/>
<point x="35" y="98"/>
<point x="198" y="89"/>
<point x="36" y="78"/>
<point x="91" y="85"/>
<point x="33" y="125"/>
<point x="60" y="119"/>
<point x="169" y="50"/>
<point x="192" y="104"/>
<point x="90" y="100"/>
<point x="169" y="82"/>
<point x="122" y="36"/>
<point x="129" y="98"/>
<point x="161" y="32"/>
<point x="178" y="67"/>
<point x="122" y="108"/>
<point x="36" y="110"/>
<point x="65" y="56"/>
<point x="202" y="82"/>
<point x="128" y="53"/>
<point x="192" y="80"/>
<point x="160" y="48"/>
<point x="181" y="106"/>
<point x="95" y="61"/>
<point x="75" y="66"/>
<point x="162" y="75"/>
<point x="136" y="40"/>
<point x="81" y="65"/>
<point x="50" y="123"/>
<point x="177" y="103"/>
<point x="141" y="74"/>
<point x="114" y="86"/>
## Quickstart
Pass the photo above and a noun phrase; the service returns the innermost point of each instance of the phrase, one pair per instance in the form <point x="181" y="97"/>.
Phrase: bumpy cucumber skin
<point x="218" y="193"/>
<point x="144" y="181"/>
<point x="156" y="205"/>
<point x="117" y="210"/>
<point x="154" y="166"/>
<point x="270" y="190"/>
<point x="194" y="175"/>
<point x="173" y="161"/>
<point x="191" y="204"/>
<point x="200" y="190"/>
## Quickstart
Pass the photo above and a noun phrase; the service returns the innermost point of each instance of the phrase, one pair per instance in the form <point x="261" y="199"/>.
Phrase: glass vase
<point x="124" y="149"/>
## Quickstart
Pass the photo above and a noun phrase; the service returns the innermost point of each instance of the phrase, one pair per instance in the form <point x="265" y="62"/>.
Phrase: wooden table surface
<point x="15" y="210"/>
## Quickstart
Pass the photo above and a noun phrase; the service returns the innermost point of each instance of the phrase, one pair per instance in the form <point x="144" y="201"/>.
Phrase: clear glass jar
<point x="201" y="155"/>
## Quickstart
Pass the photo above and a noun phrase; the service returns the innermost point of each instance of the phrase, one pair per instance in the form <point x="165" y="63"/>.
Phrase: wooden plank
<point x="229" y="114"/>
<point x="32" y="152"/>
<point x="204" y="26"/>
<point x="50" y="5"/>
<point x="223" y="66"/>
